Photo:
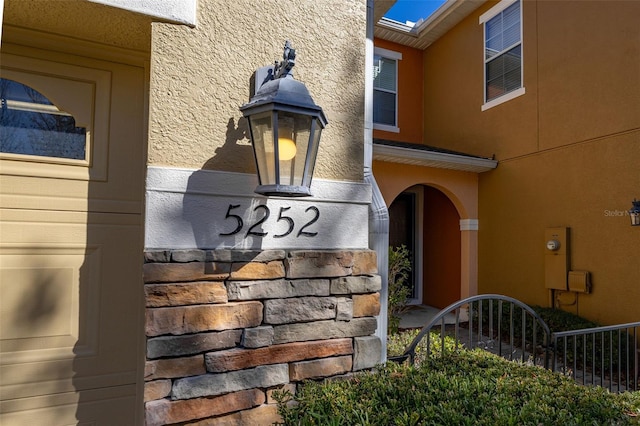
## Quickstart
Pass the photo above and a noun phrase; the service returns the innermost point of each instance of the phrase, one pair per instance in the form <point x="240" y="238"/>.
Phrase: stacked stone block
<point x="225" y="328"/>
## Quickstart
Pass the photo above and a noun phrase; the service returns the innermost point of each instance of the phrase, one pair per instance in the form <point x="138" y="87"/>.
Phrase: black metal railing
<point x="497" y="323"/>
<point x="603" y="356"/>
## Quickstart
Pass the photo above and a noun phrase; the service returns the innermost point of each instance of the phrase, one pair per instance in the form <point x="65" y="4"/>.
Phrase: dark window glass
<point x="384" y="108"/>
<point x="31" y="124"/>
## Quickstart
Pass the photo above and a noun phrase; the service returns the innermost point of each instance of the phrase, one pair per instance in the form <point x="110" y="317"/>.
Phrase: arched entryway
<point x="451" y="180"/>
<point x="424" y="219"/>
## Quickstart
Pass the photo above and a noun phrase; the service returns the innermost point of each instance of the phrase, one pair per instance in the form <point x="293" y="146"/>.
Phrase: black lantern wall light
<point x="285" y="127"/>
<point x="634" y="213"/>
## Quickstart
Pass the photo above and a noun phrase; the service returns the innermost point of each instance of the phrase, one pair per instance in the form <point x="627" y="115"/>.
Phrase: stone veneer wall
<point x="227" y="327"/>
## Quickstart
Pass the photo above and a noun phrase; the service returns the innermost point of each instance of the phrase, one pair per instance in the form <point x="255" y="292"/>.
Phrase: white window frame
<point x="82" y="92"/>
<point x="418" y="278"/>
<point x="394" y="56"/>
<point x="484" y="18"/>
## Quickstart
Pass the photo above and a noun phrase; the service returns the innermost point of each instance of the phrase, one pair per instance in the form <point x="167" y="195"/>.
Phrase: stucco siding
<point x="589" y="70"/>
<point x="567" y="148"/>
<point x="200" y="76"/>
<point x="82" y="20"/>
<point x="586" y="187"/>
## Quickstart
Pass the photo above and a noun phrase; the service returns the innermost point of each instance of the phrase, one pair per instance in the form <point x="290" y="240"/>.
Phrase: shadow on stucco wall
<point x="236" y="155"/>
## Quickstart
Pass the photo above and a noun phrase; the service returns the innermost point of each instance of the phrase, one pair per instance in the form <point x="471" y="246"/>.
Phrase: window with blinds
<point x="503" y="49"/>
<point x="385" y="89"/>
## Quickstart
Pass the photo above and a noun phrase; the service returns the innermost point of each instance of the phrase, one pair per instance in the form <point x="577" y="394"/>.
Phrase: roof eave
<point x="422" y="36"/>
<point x="394" y="154"/>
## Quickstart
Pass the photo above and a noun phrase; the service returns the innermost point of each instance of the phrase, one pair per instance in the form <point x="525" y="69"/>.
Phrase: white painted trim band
<point x="440" y="160"/>
<point x="204" y="209"/>
<point x="469" y="224"/>
<point x="176" y="11"/>
<point x="386" y="128"/>
<point x="390" y="54"/>
<point x="502" y="99"/>
<point x="196" y="181"/>
<point x="495" y="10"/>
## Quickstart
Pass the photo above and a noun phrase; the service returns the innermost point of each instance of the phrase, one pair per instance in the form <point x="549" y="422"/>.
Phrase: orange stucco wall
<point x="451" y="272"/>
<point x="568" y="149"/>
<point x="410" y="107"/>
<point x="460" y="187"/>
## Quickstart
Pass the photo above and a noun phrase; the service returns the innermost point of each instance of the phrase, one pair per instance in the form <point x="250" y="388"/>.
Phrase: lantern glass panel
<point x="262" y="131"/>
<point x="293" y="142"/>
<point x="315" y="143"/>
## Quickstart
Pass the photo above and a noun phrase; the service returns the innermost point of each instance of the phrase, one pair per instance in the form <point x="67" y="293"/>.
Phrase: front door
<point x="404" y="230"/>
<point x="71" y="186"/>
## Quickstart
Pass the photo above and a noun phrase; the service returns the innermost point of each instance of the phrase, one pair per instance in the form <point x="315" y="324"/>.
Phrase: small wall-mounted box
<point x="580" y="281"/>
<point x="556" y="259"/>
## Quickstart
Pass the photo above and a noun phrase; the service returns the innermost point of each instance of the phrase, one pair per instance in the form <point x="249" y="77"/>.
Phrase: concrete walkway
<point x="419" y="315"/>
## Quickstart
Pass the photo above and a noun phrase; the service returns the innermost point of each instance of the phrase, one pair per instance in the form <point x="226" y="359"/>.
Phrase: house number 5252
<point x="263" y="213"/>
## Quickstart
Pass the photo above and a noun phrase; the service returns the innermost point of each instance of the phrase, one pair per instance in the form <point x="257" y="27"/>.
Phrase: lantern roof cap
<point x="284" y="93"/>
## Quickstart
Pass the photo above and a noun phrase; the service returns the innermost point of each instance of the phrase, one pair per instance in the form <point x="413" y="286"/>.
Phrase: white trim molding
<point x="175" y="11"/>
<point x="502" y="99"/>
<point x="386" y="128"/>
<point x="440" y="160"/>
<point x="390" y="54"/>
<point x="205" y="209"/>
<point x="495" y="10"/>
<point x="469" y="224"/>
<point x="423" y="34"/>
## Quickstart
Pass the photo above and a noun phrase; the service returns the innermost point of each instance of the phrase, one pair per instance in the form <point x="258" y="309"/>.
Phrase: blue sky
<point x="412" y="10"/>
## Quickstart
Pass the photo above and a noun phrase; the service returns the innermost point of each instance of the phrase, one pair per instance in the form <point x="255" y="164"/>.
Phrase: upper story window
<point x="502" y="52"/>
<point x="385" y="89"/>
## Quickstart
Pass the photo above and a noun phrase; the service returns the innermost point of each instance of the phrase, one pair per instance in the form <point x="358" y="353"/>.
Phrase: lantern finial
<point x="283" y="68"/>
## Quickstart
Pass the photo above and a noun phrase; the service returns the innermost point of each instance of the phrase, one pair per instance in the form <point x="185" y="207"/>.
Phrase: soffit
<point x="424" y="34"/>
<point x="380" y="7"/>
<point x="426" y="156"/>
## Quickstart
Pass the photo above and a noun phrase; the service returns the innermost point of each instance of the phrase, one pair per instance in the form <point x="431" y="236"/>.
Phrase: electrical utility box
<point x="556" y="259"/>
<point x="580" y="281"/>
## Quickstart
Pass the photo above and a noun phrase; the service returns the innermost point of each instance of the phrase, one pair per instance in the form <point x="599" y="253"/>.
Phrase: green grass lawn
<point x="458" y="388"/>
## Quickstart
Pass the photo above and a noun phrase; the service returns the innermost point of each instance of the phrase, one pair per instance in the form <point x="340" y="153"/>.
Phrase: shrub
<point x="559" y="320"/>
<point x="399" y="292"/>
<point x="397" y="343"/>
<point x="461" y="388"/>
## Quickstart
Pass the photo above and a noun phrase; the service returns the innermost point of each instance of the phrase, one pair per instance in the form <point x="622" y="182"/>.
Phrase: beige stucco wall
<point x="82" y="20"/>
<point x="568" y="148"/>
<point x="200" y="76"/>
